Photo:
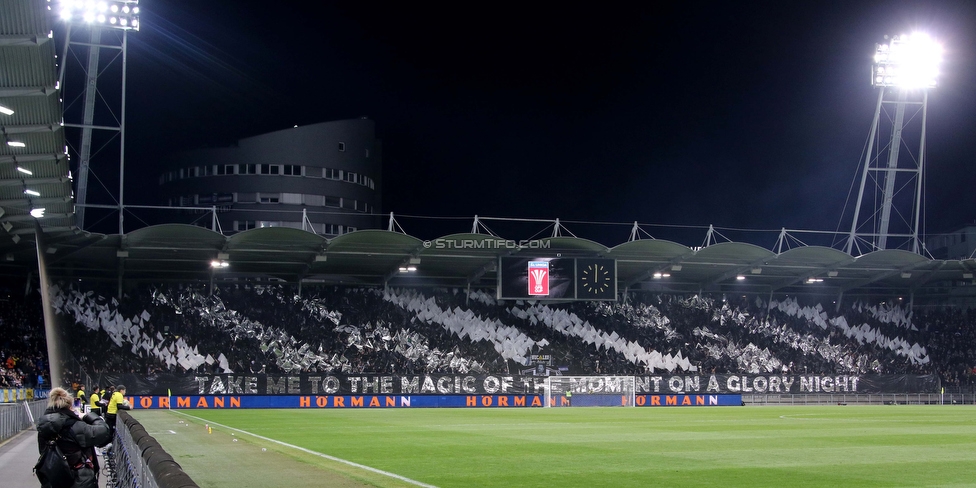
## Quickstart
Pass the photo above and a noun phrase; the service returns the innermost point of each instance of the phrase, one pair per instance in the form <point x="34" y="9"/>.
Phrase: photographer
<point x="76" y="436"/>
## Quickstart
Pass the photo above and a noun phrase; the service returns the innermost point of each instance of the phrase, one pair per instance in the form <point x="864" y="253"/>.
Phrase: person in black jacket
<point x="76" y="436"/>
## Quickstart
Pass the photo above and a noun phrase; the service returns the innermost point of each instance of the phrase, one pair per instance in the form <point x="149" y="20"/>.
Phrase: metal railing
<point x="863" y="399"/>
<point x="125" y="466"/>
<point x="17" y="417"/>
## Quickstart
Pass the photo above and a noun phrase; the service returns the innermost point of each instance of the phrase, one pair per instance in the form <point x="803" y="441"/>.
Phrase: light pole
<point x="904" y="69"/>
<point x="98" y="17"/>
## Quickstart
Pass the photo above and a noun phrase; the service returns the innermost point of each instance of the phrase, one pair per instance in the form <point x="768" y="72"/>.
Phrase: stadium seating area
<point x="22" y="348"/>
<point x="268" y="327"/>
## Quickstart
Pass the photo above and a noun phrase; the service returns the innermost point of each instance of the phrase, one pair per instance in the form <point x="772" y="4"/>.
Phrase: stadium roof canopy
<point x="34" y="174"/>
<point x="177" y="252"/>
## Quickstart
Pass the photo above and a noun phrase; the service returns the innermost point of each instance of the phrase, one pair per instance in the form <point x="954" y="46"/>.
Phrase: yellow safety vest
<point x="113" y="403"/>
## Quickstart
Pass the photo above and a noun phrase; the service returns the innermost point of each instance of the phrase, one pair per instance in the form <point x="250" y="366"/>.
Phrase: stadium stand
<point x="269" y="327"/>
<point x="23" y="357"/>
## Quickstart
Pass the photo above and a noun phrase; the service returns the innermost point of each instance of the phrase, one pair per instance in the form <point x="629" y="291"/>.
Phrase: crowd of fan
<point x="23" y="350"/>
<point x="254" y="327"/>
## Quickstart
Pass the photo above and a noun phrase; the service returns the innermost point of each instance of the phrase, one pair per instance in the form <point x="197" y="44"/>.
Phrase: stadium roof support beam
<point x="84" y="245"/>
<point x="878" y="277"/>
<point x="30" y="129"/>
<point x="810" y="274"/>
<point x="37" y="201"/>
<point x="310" y="261"/>
<point x="27" y="91"/>
<point x="415" y="254"/>
<point x="658" y="269"/>
<point x="31" y="158"/>
<point x="8" y="40"/>
<point x="739" y="270"/>
<point x="35" y="181"/>
<point x="926" y="278"/>
<point x="484" y="269"/>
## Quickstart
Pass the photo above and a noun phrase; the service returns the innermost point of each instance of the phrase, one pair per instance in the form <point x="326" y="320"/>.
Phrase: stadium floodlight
<point x="16" y="144"/>
<point x="907" y="61"/>
<point x="910" y="64"/>
<point x="37" y="213"/>
<point x="32" y="193"/>
<point x="116" y="14"/>
<point x="24" y="170"/>
<point x="6" y="111"/>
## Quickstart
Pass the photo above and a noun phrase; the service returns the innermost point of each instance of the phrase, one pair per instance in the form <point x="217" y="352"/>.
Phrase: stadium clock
<point x="596" y="279"/>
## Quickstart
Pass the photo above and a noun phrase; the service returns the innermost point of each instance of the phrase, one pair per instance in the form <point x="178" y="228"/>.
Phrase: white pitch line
<point x="309" y="451"/>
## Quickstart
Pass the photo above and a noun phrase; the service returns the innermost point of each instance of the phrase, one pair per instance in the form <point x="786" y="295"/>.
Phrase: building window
<point x="215" y="198"/>
<point x="247" y="169"/>
<point x="350" y="176"/>
<point x="350" y="229"/>
<point x="230" y="168"/>
<point x="269" y="197"/>
<point x="333" y="201"/>
<point x="292" y="170"/>
<point x="270" y="169"/>
<point x="331" y="229"/>
<point x="333" y="174"/>
<point x="342" y="146"/>
<point x="314" y="200"/>
<point x="243" y="224"/>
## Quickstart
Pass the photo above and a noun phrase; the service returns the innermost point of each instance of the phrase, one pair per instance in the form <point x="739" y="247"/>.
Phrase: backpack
<point x="52" y="467"/>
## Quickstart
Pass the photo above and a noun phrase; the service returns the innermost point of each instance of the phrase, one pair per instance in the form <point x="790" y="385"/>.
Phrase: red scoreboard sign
<point x="538" y="277"/>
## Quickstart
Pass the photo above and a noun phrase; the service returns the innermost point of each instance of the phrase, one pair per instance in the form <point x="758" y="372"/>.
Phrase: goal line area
<point x="590" y="391"/>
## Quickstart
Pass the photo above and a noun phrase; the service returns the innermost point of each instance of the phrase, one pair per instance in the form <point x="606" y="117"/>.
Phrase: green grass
<point x="725" y="446"/>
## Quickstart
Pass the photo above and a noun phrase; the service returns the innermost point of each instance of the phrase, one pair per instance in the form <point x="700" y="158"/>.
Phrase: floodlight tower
<point x="107" y="24"/>
<point x="904" y="69"/>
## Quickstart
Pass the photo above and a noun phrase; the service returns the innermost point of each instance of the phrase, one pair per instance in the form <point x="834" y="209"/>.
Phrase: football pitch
<point x="895" y="445"/>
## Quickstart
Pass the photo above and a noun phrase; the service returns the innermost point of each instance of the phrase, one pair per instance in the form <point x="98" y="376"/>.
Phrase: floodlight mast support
<point x="92" y="71"/>
<point x="125" y="58"/>
<point x="890" y="179"/>
<point x="890" y="173"/>
<point x="84" y="151"/>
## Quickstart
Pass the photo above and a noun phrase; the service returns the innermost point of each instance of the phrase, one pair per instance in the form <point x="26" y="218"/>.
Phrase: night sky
<point x="748" y="115"/>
